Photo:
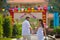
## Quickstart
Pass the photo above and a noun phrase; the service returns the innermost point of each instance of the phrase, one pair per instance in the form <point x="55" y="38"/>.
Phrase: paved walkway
<point x="33" y="37"/>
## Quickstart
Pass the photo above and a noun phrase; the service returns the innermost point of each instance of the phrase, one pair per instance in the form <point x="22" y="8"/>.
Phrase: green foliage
<point x="17" y="30"/>
<point x="5" y="38"/>
<point x="14" y="33"/>
<point x="1" y="28"/>
<point x="2" y="3"/>
<point x="55" y="4"/>
<point x="58" y="30"/>
<point x="51" y="24"/>
<point x="33" y="23"/>
<point x="54" y="31"/>
<point x="7" y="27"/>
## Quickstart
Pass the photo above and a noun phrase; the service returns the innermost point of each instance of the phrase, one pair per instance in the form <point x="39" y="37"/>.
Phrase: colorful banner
<point x="56" y="19"/>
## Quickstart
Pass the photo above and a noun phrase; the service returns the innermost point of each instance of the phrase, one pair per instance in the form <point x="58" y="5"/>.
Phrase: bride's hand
<point x="32" y="32"/>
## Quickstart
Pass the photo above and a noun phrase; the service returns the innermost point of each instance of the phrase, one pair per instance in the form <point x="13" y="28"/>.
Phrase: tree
<point x="2" y="4"/>
<point x="55" y="4"/>
<point x="1" y="27"/>
<point x="7" y="26"/>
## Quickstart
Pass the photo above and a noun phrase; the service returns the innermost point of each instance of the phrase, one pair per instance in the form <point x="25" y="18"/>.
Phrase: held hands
<point x="33" y="31"/>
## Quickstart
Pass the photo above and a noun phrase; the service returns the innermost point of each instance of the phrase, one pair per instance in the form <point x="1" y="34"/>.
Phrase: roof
<point x="25" y="1"/>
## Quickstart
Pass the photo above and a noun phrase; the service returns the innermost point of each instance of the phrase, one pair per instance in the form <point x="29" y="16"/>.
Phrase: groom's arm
<point x="30" y="29"/>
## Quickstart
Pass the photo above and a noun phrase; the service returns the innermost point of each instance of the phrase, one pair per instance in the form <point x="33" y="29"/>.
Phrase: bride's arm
<point x="44" y="31"/>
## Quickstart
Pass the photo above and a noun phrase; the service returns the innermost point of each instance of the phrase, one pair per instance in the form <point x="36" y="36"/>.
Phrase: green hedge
<point x="56" y="30"/>
<point x="51" y="24"/>
<point x="1" y="28"/>
<point x="5" y="38"/>
<point x="7" y="27"/>
<point x="17" y="30"/>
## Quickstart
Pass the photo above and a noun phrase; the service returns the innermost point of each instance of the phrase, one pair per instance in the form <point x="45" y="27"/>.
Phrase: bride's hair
<point x="41" y="22"/>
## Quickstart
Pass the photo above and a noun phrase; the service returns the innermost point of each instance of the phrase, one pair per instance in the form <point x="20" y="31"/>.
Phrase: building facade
<point x="25" y="3"/>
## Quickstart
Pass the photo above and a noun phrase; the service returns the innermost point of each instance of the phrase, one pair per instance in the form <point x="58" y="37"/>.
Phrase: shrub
<point x="51" y="23"/>
<point x="17" y="30"/>
<point x="58" y="30"/>
<point x="14" y="33"/>
<point x="7" y="27"/>
<point x="5" y="38"/>
<point x="1" y="28"/>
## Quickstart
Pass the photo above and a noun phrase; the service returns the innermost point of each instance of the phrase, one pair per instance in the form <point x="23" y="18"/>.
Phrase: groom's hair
<point x="27" y="17"/>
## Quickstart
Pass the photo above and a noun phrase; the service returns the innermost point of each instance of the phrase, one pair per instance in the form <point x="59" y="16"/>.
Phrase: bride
<point x="40" y="29"/>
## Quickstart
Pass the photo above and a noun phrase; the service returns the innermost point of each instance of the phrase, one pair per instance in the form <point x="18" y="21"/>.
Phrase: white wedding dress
<point x="40" y="33"/>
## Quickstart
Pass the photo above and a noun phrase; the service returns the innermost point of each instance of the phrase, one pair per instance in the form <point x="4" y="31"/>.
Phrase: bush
<point x="14" y="33"/>
<point x="1" y="28"/>
<point x="5" y="38"/>
<point x="58" y="30"/>
<point x="17" y="30"/>
<point x="7" y="27"/>
<point x="51" y="23"/>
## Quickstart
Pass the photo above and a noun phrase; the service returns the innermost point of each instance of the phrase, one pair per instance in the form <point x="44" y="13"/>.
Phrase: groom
<point x="26" y="27"/>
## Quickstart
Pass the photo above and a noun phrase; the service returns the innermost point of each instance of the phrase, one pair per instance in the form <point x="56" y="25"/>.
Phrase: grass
<point x="5" y="38"/>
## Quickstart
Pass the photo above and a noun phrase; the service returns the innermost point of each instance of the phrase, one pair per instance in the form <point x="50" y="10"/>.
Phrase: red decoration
<point x="45" y="8"/>
<point x="44" y="16"/>
<point x="29" y="8"/>
<point x="38" y="8"/>
<point x="11" y="14"/>
<point x="15" y="9"/>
